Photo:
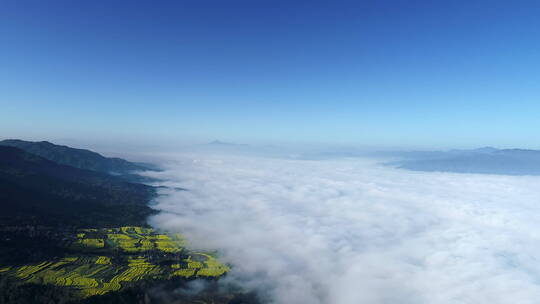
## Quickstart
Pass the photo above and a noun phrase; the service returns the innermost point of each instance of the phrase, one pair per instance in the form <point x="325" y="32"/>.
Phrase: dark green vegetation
<point x="45" y="257"/>
<point x="37" y="191"/>
<point x="173" y="291"/>
<point x="81" y="158"/>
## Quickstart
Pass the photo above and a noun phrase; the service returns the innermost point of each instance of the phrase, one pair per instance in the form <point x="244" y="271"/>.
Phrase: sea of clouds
<point x="343" y="231"/>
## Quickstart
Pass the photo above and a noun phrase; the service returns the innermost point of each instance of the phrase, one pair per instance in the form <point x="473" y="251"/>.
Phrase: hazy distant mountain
<point x="40" y="191"/>
<point x="78" y="158"/>
<point x="484" y="160"/>
<point x="224" y="144"/>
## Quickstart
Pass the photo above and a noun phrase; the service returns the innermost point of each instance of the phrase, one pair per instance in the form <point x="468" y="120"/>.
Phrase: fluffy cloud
<point x="347" y="231"/>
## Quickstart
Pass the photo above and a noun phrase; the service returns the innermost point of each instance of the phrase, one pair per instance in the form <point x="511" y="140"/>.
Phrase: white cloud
<point x="349" y="231"/>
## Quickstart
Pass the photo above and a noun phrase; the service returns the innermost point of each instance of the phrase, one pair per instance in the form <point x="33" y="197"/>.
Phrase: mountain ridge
<point x="78" y="158"/>
<point x="34" y="188"/>
<point x="485" y="160"/>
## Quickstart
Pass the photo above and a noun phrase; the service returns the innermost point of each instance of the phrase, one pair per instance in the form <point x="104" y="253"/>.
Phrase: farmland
<point x="98" y="261"/>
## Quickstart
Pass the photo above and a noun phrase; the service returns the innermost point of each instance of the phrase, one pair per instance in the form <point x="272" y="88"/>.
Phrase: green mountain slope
<point x="38" y="191"/>
<point x="78" y="158"/>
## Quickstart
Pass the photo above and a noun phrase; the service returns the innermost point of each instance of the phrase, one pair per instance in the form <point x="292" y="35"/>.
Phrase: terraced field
<point x="104" y="260"/>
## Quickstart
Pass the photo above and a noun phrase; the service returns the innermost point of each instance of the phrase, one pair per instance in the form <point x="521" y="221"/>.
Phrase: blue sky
<point x="376" y="73"/>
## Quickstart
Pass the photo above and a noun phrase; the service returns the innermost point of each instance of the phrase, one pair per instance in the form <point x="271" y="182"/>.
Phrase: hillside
<point x="69" y="235"/>
<point x="78" y="158"/>
<point x="38" y="190"/>
<point x="41" y="200"/>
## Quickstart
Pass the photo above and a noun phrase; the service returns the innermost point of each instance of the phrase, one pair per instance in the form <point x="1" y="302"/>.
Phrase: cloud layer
<point x="349" y="231"/>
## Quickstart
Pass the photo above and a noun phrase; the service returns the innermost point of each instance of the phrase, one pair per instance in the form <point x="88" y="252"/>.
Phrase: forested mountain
<point x="42" y="201"/>
<point x="39" y="191"/>
<point x="78" y="158"/>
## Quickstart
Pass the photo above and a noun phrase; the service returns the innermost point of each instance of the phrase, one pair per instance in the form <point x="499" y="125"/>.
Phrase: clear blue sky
<point x="389" y="73"/>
